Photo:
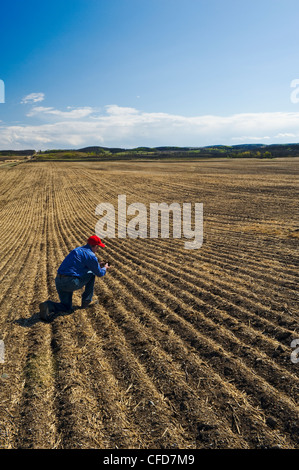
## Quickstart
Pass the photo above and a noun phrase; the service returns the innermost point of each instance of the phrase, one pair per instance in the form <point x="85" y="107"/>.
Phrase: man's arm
<point x="94" y="266"/>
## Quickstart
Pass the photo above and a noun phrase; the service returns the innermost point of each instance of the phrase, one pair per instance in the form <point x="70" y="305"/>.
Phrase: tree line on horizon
<point x="220" y="151"/>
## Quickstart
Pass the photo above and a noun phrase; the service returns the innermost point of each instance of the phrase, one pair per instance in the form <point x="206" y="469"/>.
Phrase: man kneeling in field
<point x="77" y="270"/>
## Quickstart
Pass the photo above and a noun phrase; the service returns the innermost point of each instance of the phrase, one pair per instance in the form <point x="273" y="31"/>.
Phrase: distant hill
<point x="100" y="150"/>
<point x="10" y="153"/>
<point x="98" y="153"/>
<point x="274" y="149"/>
<point x="234" y="151"/>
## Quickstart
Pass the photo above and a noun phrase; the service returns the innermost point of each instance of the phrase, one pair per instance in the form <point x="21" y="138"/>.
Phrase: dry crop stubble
<point x="186" y="348"/>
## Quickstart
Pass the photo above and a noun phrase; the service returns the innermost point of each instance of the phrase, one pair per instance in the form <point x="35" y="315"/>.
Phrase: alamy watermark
<point x="1" y="351"/>
<point x="184" y="223"/>
<point x="295" y="353"/>
<point x="2" y="91"/>
<point x="295" y="93"/>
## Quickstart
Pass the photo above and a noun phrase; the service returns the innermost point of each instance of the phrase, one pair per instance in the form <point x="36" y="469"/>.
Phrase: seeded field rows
<point x="187" y="349"/>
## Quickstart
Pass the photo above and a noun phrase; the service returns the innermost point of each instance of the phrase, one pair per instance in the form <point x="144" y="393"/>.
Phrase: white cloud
<point x="116" y="110"/>
<point x="33" y="98"/>
<point x="77" y="113"/>
<point x="286" y="134"/>
<point x="248" y="138"/>
<point x="129" y="127"/>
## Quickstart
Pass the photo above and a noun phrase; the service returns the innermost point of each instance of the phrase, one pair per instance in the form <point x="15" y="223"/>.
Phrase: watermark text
<point x="2" y="91"/>
<point x="1" y="351"/>
<point x="295" y="353"/>
<point x="295" y="93"/>
<point x="186" y="222"/>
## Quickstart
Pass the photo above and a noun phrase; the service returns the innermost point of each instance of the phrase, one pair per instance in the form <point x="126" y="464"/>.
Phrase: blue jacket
<point x="79" y="261"/>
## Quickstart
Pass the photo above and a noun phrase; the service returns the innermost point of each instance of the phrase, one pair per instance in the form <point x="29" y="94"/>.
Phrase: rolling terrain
<point x="187" y="349"/>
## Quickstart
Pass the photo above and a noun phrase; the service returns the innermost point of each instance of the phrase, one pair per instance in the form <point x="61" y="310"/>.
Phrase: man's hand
<point x="104" y="265"/>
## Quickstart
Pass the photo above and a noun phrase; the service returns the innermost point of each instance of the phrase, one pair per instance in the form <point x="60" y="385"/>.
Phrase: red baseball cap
<point x="94" y="240"/>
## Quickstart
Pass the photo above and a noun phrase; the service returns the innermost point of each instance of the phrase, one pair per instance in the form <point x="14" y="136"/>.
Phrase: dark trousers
<point x="65" y="287"/>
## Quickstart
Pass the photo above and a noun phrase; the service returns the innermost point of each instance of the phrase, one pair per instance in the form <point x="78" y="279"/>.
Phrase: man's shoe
<point x="89" y="304"/>
<point x="45" y="311"/>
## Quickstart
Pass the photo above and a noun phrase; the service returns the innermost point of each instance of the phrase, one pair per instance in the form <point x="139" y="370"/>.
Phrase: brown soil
<point x="187" y="349"/>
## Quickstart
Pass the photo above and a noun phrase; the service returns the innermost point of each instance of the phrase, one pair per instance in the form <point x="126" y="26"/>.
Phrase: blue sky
<point x="128" y="73"/>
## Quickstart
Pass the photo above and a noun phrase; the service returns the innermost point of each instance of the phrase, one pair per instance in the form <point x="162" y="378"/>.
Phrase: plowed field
<point x="187" y="349"/>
